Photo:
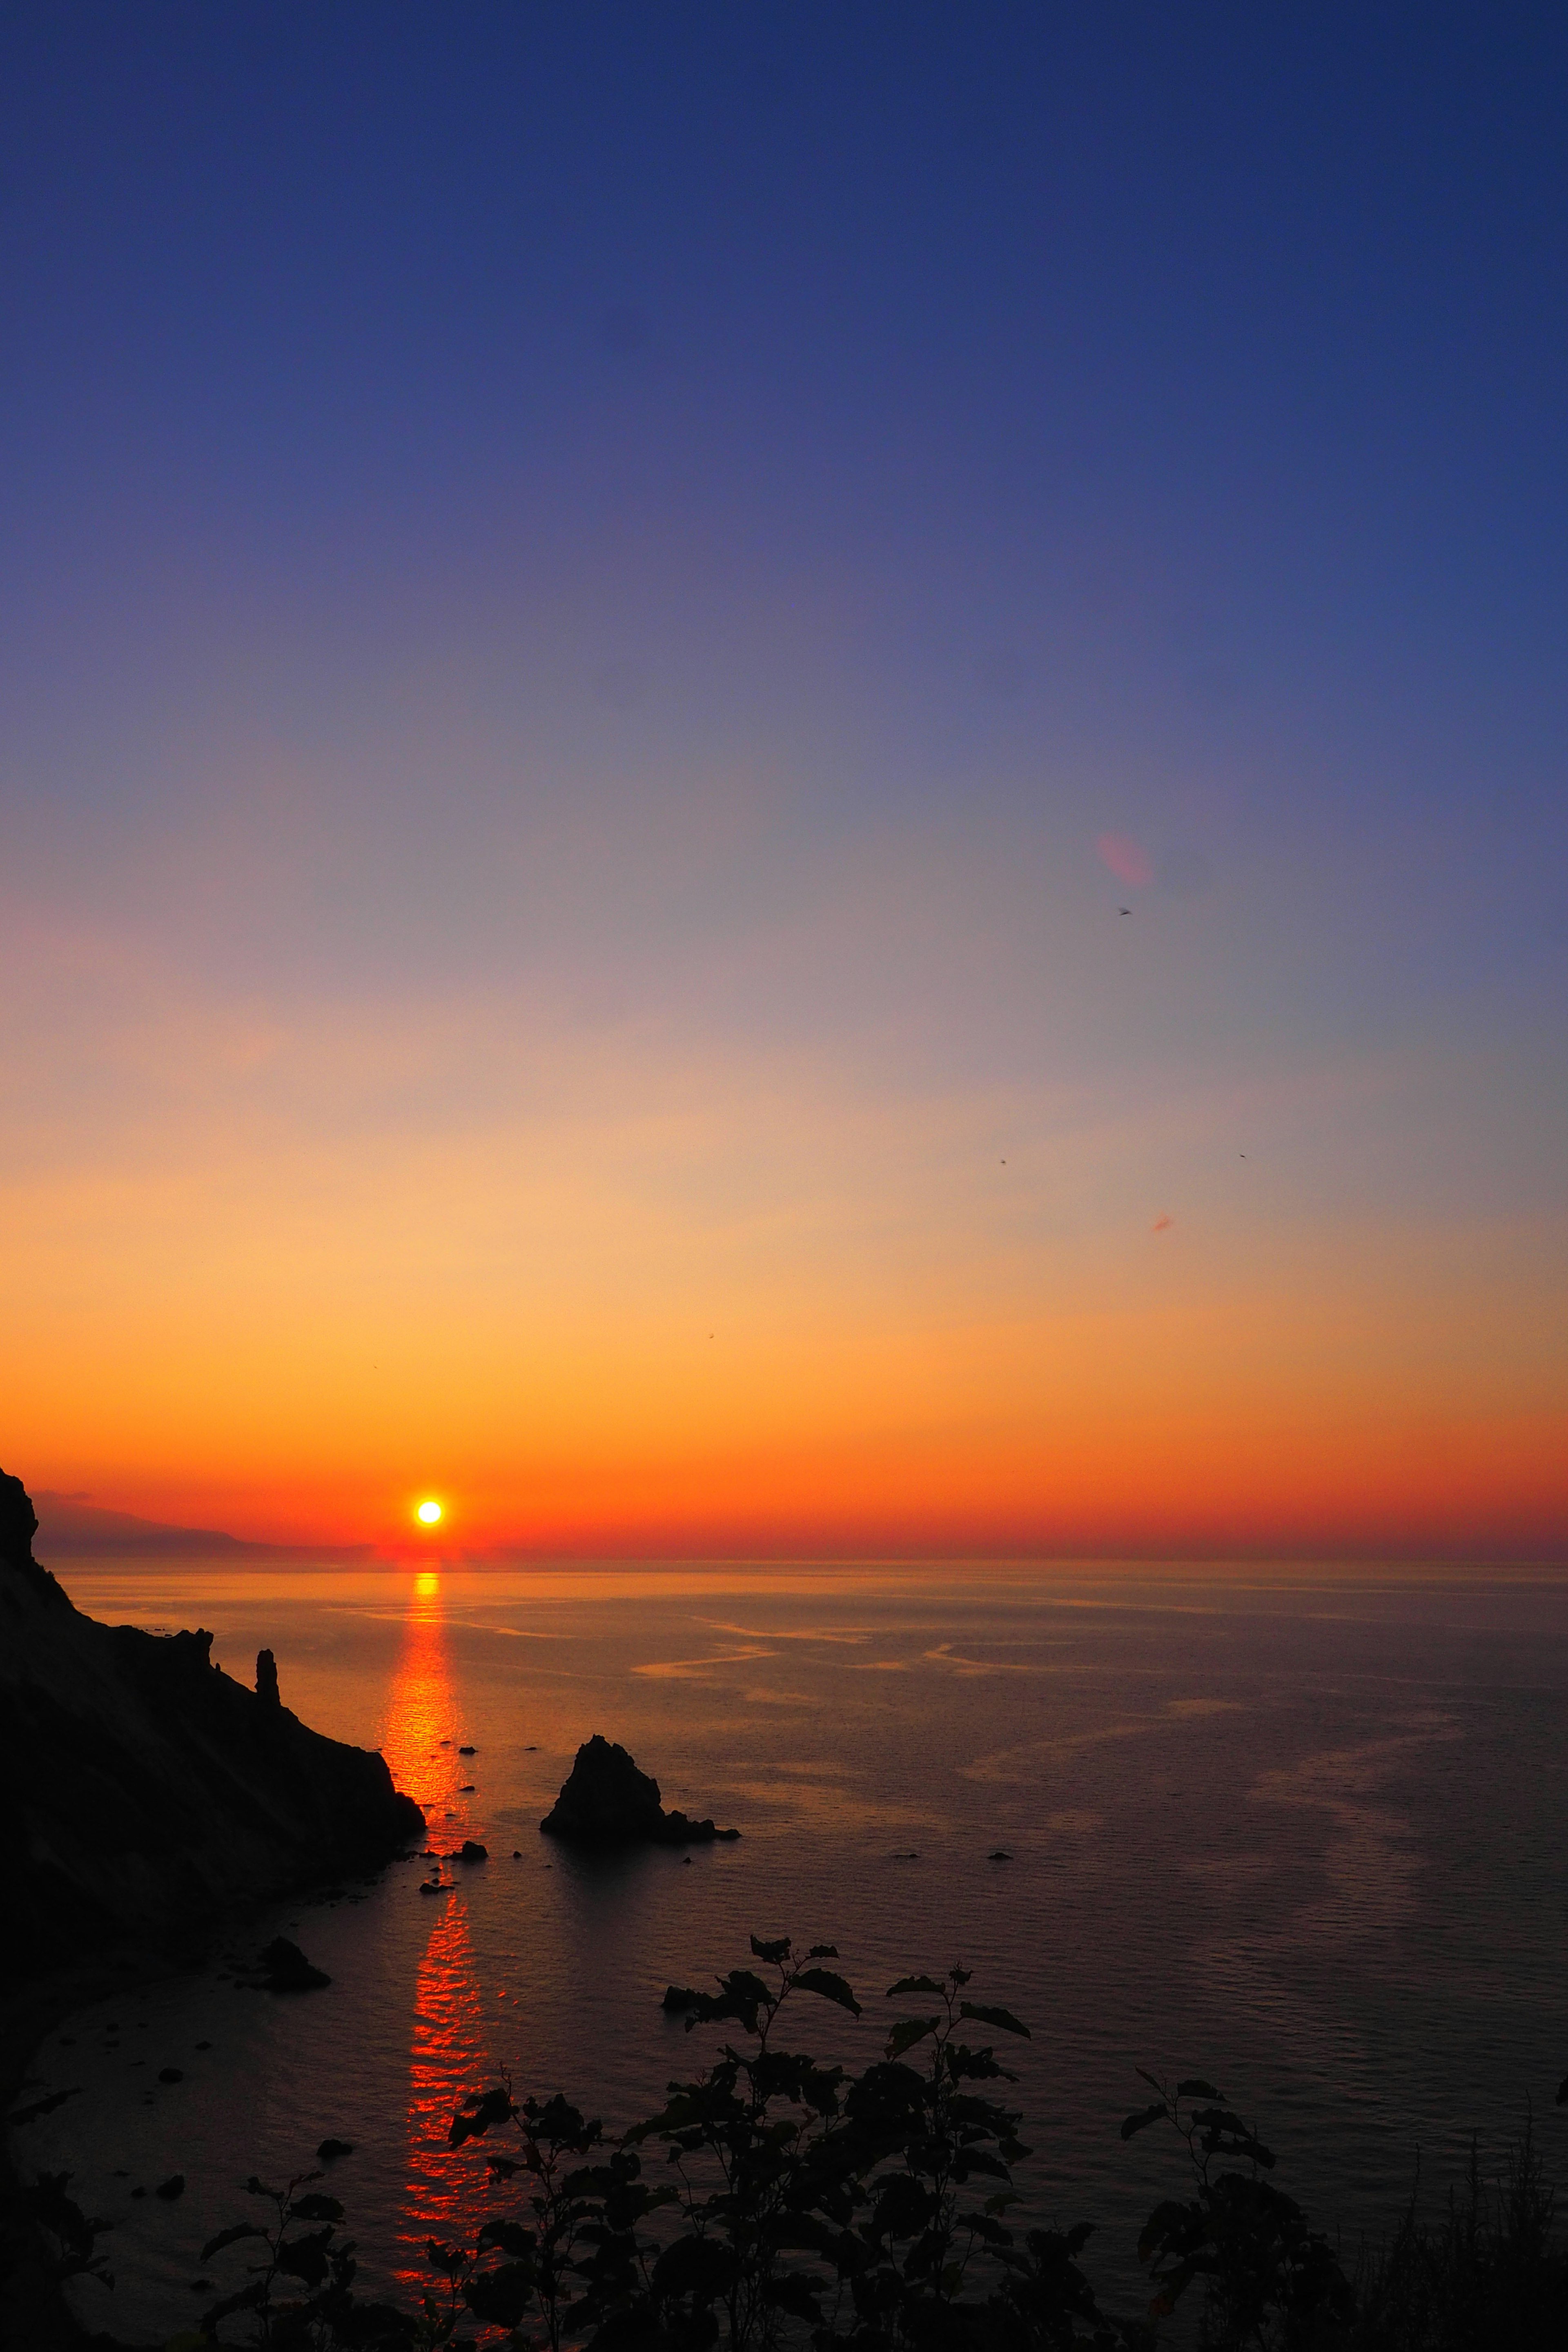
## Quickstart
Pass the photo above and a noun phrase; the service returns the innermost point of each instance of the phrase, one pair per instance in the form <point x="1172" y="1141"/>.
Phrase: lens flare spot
<point x="428" y="1513"/>
<point x="1126" y="860"/>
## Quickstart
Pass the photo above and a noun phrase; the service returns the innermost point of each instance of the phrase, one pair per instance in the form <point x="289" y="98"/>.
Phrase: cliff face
<point x="149" y="1791"/>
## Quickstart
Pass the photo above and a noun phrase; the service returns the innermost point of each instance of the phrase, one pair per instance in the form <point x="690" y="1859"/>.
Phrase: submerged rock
<point x="608" y="1802"/>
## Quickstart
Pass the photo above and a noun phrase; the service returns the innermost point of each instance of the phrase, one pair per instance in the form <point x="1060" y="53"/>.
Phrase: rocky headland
<point x="154" y="1799"/>
<point x="152" y="1794"/>
<point x="607" y="1801"/>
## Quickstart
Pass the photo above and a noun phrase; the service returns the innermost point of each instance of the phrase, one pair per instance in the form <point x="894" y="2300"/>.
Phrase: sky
<point x="787" y="781"/>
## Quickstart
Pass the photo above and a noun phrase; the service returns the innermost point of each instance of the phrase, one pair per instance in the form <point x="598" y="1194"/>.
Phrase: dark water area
<point x="1304" y="1832"/>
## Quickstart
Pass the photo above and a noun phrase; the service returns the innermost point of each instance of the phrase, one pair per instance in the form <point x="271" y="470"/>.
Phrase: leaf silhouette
<point x="830" y="1987"/>
<point x="1142" y="2120"/>
<point x="231" y="2238"/>
<point x="1001" y="2019"/>
<point x="907" y="2032"/>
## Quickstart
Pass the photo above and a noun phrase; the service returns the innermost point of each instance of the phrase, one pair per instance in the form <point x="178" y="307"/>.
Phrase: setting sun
<point x="428" y="1513"/>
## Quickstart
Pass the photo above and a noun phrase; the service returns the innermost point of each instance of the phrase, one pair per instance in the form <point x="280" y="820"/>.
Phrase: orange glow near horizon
<point x="859" y="1334"/>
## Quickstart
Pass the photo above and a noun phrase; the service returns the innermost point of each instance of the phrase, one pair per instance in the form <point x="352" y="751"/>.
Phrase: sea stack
<point x="607" y="1801"/>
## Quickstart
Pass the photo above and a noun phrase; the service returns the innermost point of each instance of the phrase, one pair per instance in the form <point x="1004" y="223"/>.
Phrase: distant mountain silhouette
<point x="68" y="1523"/>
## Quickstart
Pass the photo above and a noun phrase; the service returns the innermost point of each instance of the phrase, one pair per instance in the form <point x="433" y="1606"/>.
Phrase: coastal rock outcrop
<point x="608" y="1802"/>
<point x="151" y="1793"/>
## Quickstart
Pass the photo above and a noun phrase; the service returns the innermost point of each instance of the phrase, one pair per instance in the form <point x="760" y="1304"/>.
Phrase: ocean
<point x="1300" y="1831"/>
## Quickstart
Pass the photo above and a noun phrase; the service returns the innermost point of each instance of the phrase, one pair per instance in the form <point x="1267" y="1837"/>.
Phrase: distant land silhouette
<point x="70" y="1524"/>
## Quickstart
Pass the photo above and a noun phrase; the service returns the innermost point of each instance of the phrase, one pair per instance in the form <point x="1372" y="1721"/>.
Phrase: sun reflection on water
<point x="450" y="2055"/>
<point x="450" y="2051"/>
<point x="420" y="1733"/>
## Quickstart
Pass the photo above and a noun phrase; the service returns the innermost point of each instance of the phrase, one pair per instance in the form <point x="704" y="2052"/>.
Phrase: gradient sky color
<point x="600" y="609"/>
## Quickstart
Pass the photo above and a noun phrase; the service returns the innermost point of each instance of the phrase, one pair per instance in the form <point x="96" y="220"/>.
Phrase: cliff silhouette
<point x="153" y="1793"/>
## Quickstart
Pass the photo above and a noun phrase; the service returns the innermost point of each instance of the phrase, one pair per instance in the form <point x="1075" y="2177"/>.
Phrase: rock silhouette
<point x="607" y="1801"/>
<point x="152" y="1793"/>
<point x="287" y="1970"/>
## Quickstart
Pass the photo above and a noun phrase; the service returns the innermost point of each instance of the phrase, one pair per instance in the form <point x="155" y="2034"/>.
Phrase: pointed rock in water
<point x="607" y="1801"/>
<point x="267" y="1679"/>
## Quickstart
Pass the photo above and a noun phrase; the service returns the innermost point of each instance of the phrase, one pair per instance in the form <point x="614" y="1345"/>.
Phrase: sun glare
<point x="428" y="1513"/>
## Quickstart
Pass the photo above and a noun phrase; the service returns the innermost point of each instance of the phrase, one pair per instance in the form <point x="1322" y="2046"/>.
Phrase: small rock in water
<point x="170" y="2073"/>
<point x="468" y="1751"/>
<point x="678" y="1998"/>
<point x="169" y="2190"/>
<point x="204" y="2045"/>
<point x="472" y="1851"/>
<point x="287" y="1970"/>
<point x="467" y="1790"/>
<point x="999" y="1853"/>
<point x="330" y="2148"/>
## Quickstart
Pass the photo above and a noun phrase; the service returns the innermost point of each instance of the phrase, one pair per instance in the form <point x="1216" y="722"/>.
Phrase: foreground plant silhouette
<point x="1265" y="2276"/>
<point x="778" y="2201"/>
<point x="800" y="2202"/>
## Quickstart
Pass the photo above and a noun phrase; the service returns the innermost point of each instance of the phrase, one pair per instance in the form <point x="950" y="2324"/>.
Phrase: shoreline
<point x="35" y="2315"/>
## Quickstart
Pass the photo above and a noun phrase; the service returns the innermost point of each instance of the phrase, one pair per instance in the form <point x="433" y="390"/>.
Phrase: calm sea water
<point x="1302" y="1833"/>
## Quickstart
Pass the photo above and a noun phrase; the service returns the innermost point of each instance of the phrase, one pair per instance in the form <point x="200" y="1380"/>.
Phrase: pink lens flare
<point x="1125" y="859"/>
